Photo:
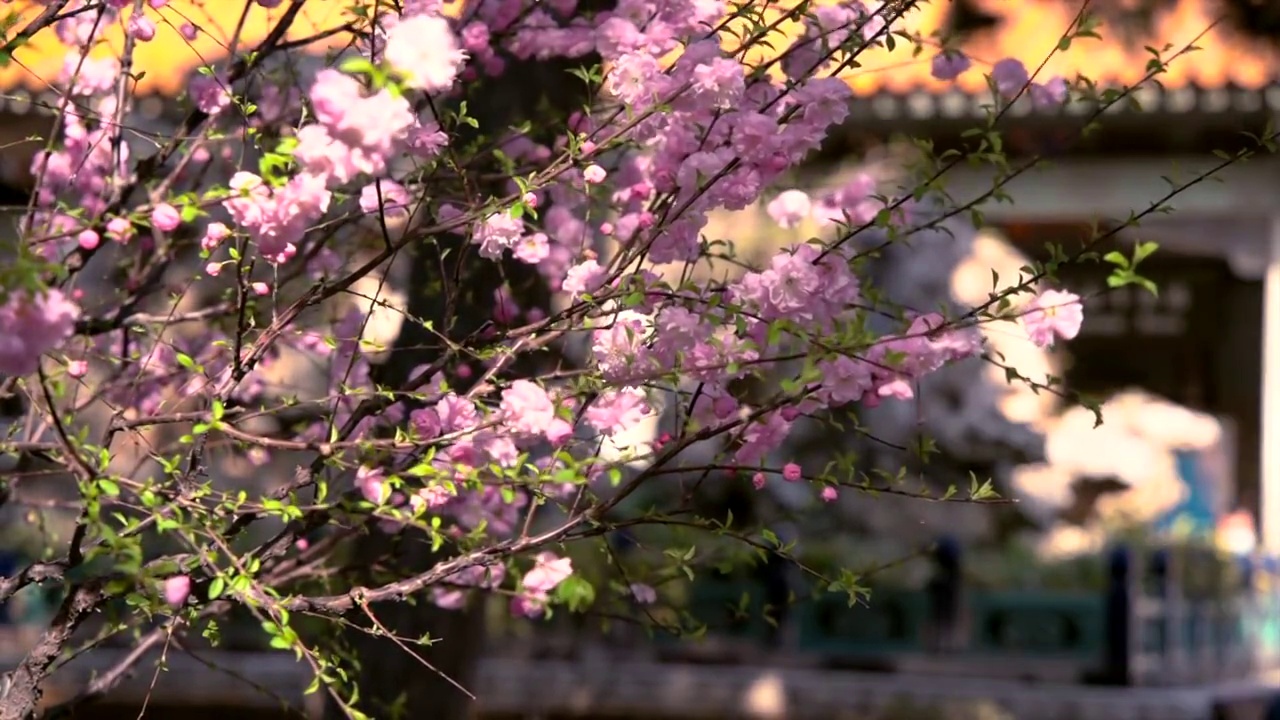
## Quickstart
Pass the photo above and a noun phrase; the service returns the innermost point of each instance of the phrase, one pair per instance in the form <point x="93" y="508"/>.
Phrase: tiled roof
<point x="1028" y="30"/>
<point x="169" y="59"/>
<point x="1031" y="29"/>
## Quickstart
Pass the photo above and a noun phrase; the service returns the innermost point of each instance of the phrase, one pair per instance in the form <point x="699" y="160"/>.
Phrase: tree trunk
<point x="393" y="683"/>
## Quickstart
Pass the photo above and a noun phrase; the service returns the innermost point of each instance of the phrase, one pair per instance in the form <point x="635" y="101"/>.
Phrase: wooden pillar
<point x="1269" y="474"/>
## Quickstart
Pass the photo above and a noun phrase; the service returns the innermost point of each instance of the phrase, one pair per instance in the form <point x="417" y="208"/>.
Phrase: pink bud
<point x="261" y="288"/>
<point x="214" y="235"/>
<point x="644" y="594"/>
<point x="791" y="472"/>
<point x="372" y="487"/>
<point x="176" y="590"/>
<point x="757" y="481"/>
<point x="141" y="28"/>
<point x="165" y="218"/>
<point x="157" y="4"/>
<point x="88" y="239"/>
<point x="77" y="368"/>
<point x="188" y="31"/>
<point x="530" y="199"/>
<point x="594" y="175"/>
<point x="829" y="494"/>
<point x="119" y="229"/>
<point x="606" y="228"/>
<point x="587" y="147"/>
<point x="213" y="269"/>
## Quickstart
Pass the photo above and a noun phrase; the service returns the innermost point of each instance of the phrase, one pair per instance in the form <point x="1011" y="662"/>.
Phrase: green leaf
<point x="216" y="588"/>
<point x="1143" y="251"/>
<point x="576" y="592"/>
<point x="357" y="65"/>
<point x="1115" y="258"/>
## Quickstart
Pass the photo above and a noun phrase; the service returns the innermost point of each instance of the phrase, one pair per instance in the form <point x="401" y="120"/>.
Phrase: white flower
<point x="424" y="51"/>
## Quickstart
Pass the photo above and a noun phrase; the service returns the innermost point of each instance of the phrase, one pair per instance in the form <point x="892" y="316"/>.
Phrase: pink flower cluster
<point x="32" y="324"/>
<point x="629" y="185"/>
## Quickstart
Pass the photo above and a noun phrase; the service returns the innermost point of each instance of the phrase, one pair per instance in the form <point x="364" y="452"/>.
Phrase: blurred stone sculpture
<point x="1126" y="471"/>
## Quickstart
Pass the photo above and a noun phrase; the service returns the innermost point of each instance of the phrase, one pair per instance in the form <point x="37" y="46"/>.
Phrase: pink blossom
<point x="165" y="218"/>
<point x="177" y="588"/>
<point x="32" y="325"/>
<point x="210" y="94"/>
<point x="425" y="423"/>
<point x="372" y="484"/>
<point x="526" y="408"/>
<point x="532" y="248"/>
<point x="617" y="411"/>
<point x="719" y="83"/>
<point x="498" y="232"/>
<point x="456" y="413"/>
<point x="142" y="28"/>
<point x="594" y="175"/>
<point x="1010" y="77"/>
<point x="1053" y="315"/>
<point x="789" y="208"/>
<point x="949" y="65"/>
<point x="558" y="432"/>
<point x="583" y="278"/>
<point x="1050" y="94"/>
<point x="424" y="51"/>
<point x="387" y="197"/>
<point x="429" y="498"/>
<point x="426" y="140"/>
<point x="791" y="472"/>
<point x="119" y="229"/>
<point x="549" y="570"/>
<point x="644" y="594"/>
<point x="214" y="234"/>
<point x="830" y="494"/>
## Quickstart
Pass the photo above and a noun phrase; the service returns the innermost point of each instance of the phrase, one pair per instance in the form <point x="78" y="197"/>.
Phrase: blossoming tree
<point x="555" y="305"/>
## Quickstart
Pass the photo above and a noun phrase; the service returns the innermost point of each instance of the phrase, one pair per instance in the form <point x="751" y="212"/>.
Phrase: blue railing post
<point x="946" y="596"/>
<point x="1273" y="709"/>
<point x="1244" y="655"/>
<point x="1120" y="626"/>
<point x="1171" y="618"/>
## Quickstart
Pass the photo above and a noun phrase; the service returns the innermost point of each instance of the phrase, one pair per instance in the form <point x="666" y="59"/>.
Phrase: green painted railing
<point x="1146" y="625"/>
